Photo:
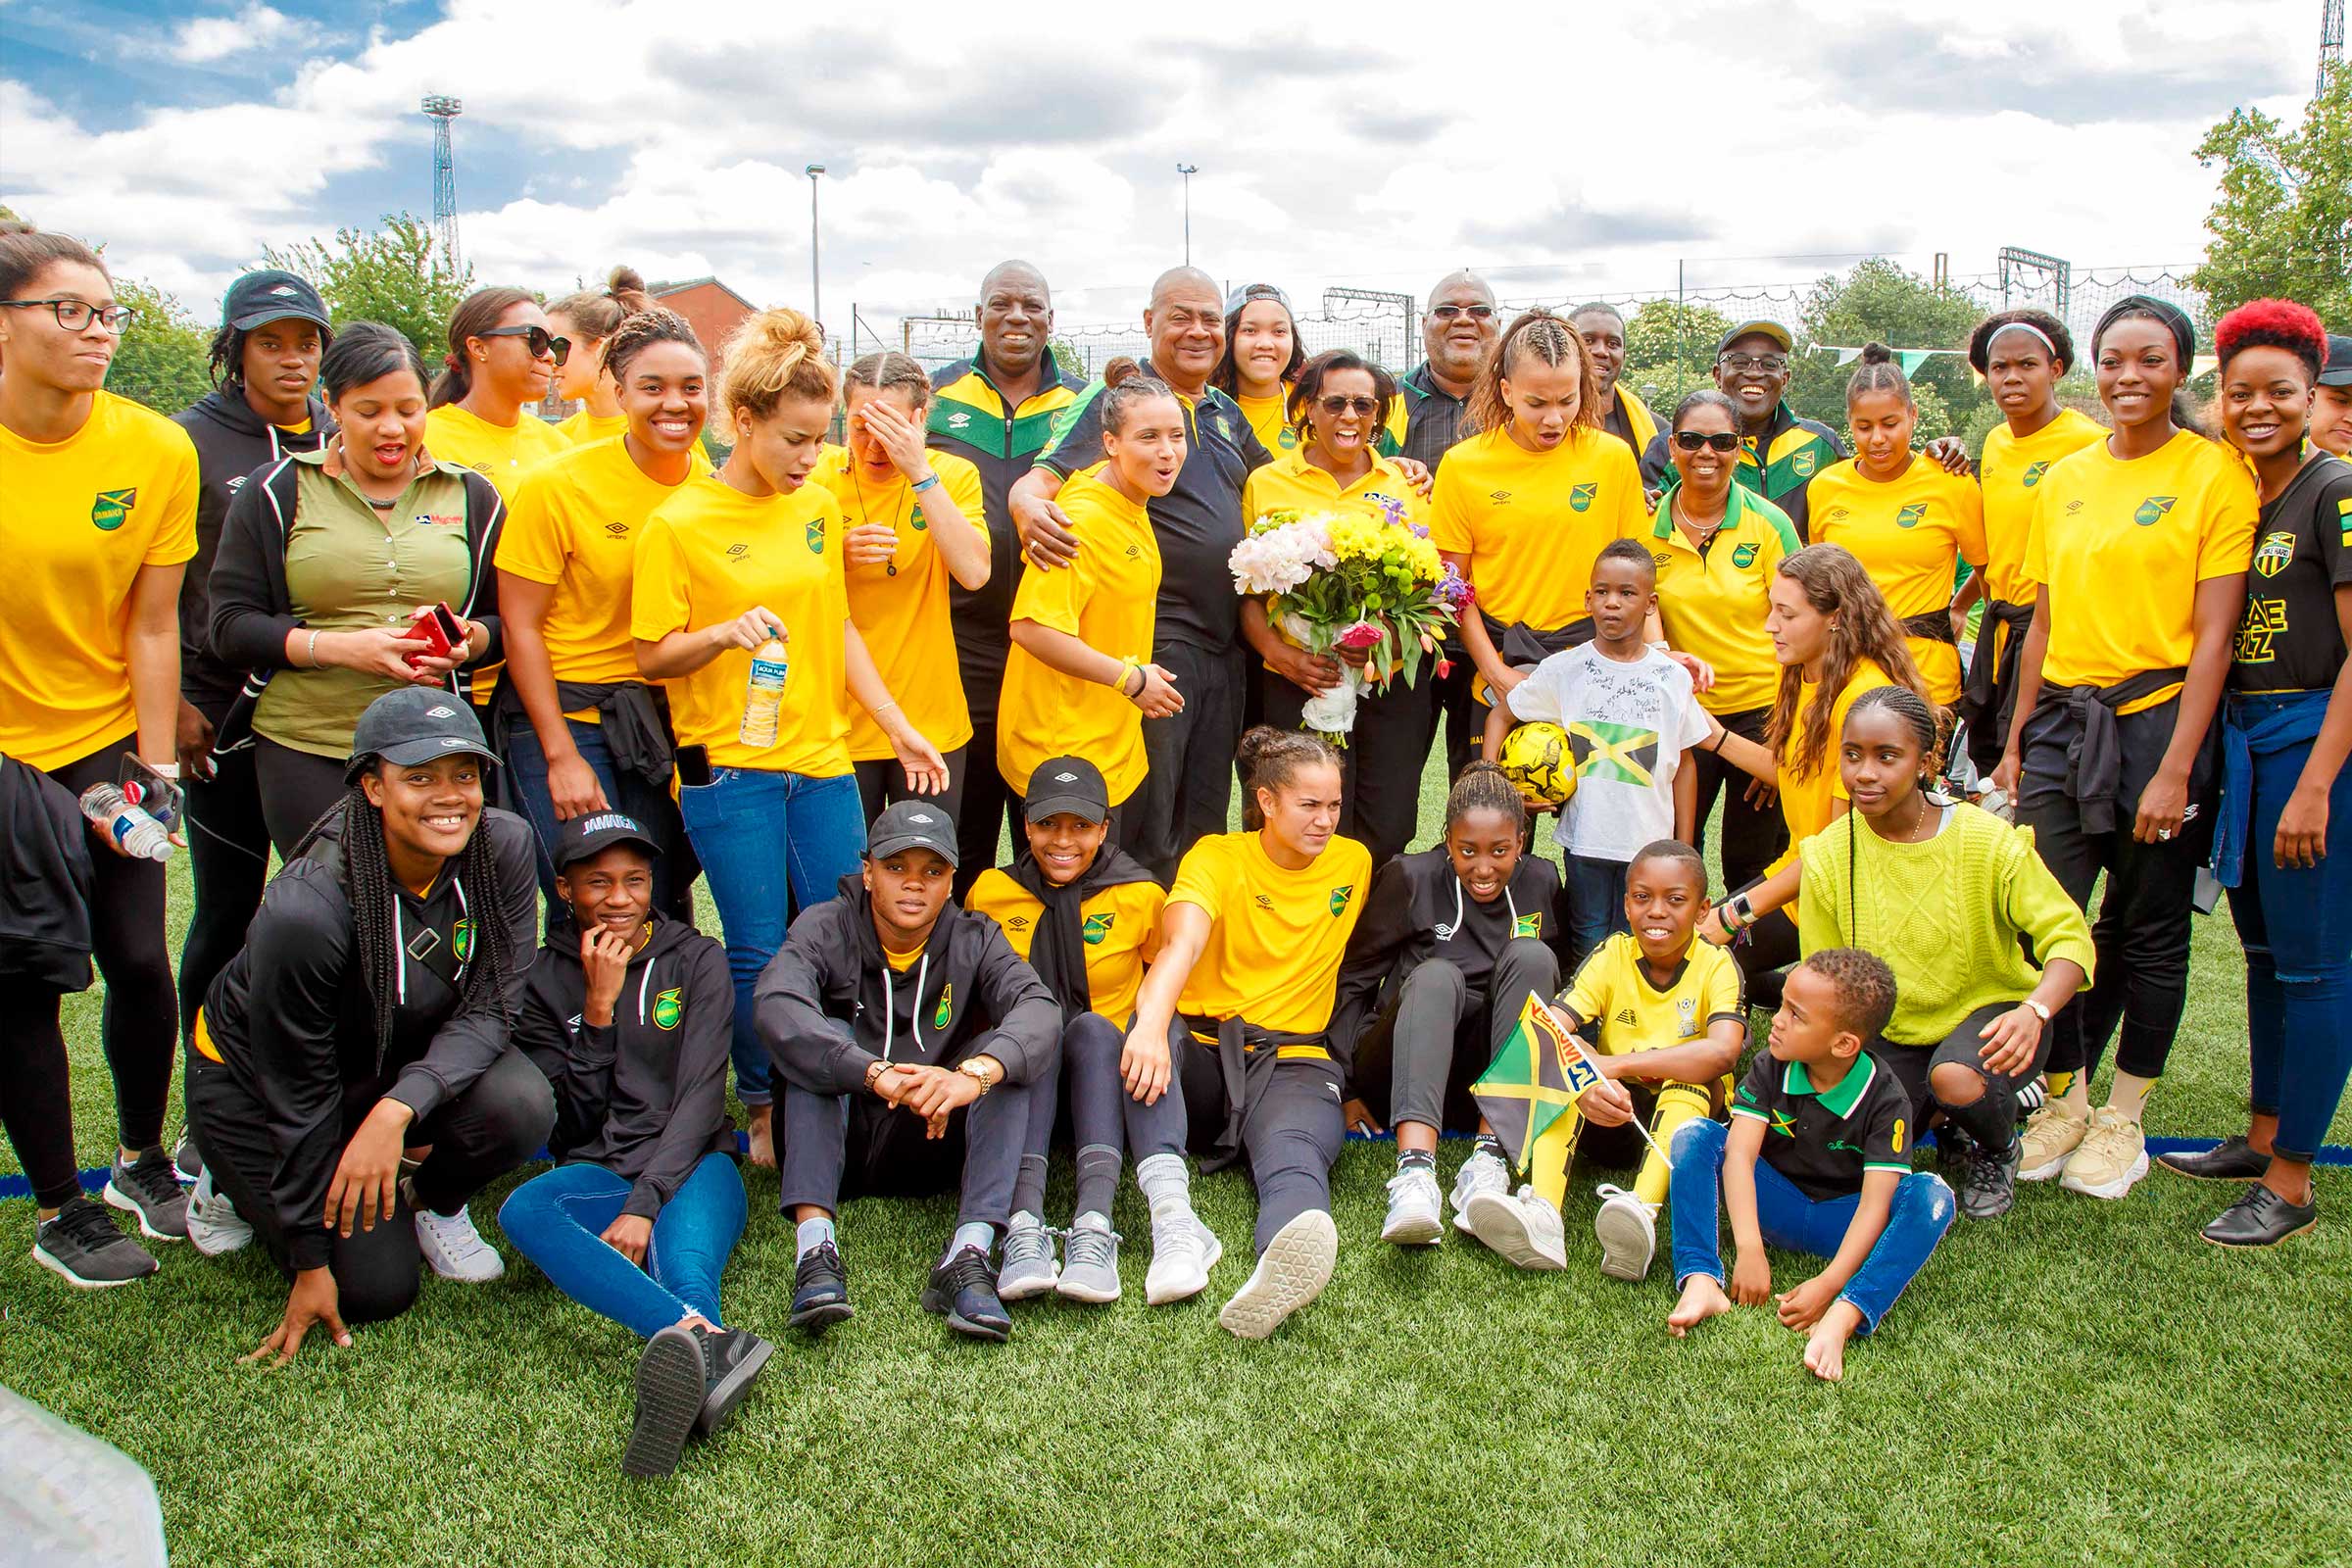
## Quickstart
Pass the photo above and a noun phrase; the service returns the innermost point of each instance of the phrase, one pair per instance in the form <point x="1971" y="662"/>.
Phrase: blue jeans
<point x="1790" y="1220"/>
<point x="2296" y="926"/>
<point x="771" y="845"/>
<point x="1592" y="904"/>
<point x="526" y="776"/>
<point x="558" y="1219"/>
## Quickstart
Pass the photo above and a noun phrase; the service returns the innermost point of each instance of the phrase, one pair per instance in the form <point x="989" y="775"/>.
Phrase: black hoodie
<point x="968" y="993"/>
<point x="231" y="441"/>
<point x="292" y="1019"/>
<point x="645" y="1096"/>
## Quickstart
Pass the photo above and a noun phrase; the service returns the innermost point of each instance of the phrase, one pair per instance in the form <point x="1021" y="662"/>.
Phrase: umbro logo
<point x="1498" y="497"/>
<point x="924" y="817"/>
<point x="283" y="291"/>
<point x="1444" y="931"/>
<point x="236" y="484"/>
<point x="738" y="552"/>
<point x="1066" y="778"/>
<point x="618" y="530"/>
<point x="1019" y="922"/>
<point x="440" y="713"/>
<point x="1262" y="900"/>
<point x="958" y="419"/>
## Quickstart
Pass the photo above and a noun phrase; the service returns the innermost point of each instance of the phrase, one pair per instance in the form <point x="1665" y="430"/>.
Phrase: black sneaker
<point x="671" y="1387"/>
<point x="147" y="1188"/>
<point x="820" y="1290"/>
<point x="187" y="1161"/>
<point x="2261" y="1218"/>
<point x="2231" y="1159"/>
<point x="731" y="1358"/>
<point x="83" y="1245"/>
<point x="965" y="1290"/>
<point x="1989" y="1182"/>
<point x="1955" y="1150"/>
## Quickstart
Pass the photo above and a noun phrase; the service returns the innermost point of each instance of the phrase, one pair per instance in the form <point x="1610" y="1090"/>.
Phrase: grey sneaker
<point x="1627" y="1229"/>
<point x="1028" y="1268"/>
<point x="82" y="1247"/>
<point x="1988" y="1182"/>
<point x="146" y="1187"/>
<point x="215" y="1226"/>
<point x="1525" y="1228"/>
<point x="1413" y="1218"/>
<point x="1090" y="1270"/>
<point x="1482" y="1172"/>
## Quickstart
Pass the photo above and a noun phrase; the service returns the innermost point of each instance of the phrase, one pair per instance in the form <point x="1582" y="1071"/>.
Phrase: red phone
<point x="438" y="629"/>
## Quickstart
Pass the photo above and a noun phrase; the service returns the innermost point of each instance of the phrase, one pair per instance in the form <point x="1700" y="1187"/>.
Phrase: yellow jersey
<point x="711" y="552"/>
<point x="1910" y="533"/>
<point x="81" y="517"/>
<point x="1105" y="597"/>
<point x="901" y="608"/>
<point x="1531" y="523"/>
<point x="1119" y="925"/>
<point x="2010" y="474"/>
<point x="1713" y="606"/>
<point x="1613" y="989"/>
<point x="498" y="453"/>
<point x="583" y="427"/>
<point x="1808" y="800"/>
<point x="1274" y="950"/>
<point x="1382" y="493"/>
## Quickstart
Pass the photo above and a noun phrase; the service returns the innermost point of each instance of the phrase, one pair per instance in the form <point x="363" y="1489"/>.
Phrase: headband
<point x="2173" y="318"/>
<point x="2027" y="327"/>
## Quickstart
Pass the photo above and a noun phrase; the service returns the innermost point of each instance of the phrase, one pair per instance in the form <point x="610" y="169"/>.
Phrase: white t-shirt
<point x="1627" y="726"/>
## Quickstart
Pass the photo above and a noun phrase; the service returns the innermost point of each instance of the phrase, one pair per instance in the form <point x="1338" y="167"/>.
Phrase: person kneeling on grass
<point x="1453" y="941"/>
<point x="1085" y="916"/>
<point x="1833" y="1130"/>
<point x="909" y="1036"/>
<point x="629" y="1014"/>
<point x="1239" y="1001"/>
<point x="1668" y="1015"/>
<point x="364" y="1019"/>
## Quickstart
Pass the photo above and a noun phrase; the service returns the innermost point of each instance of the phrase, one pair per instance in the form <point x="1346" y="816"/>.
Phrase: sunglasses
<point x="1336" y="405"/>
<point x="1476" y="312"/>
<point x="538" y="339"/>
<point x="1720" y="440"/>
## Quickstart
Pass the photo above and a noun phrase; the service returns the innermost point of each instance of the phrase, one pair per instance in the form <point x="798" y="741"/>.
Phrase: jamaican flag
<point x="1536" y="1075"/>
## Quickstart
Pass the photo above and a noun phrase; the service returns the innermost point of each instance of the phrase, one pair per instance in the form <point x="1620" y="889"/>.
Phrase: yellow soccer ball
<point x="1538" y="759"/>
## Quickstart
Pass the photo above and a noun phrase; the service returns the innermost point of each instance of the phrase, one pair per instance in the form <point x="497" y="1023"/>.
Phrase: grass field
<point x="2077" y="1383"/>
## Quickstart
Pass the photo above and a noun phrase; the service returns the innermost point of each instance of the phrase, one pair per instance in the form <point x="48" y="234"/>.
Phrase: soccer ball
<point x="1538" y="759"/>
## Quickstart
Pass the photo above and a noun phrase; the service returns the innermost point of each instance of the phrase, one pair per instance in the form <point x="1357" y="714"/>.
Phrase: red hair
<point x="2273" y="323"/>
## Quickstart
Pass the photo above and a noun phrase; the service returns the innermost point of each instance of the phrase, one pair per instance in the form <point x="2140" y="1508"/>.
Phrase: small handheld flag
<point x="1534" y="1081"/>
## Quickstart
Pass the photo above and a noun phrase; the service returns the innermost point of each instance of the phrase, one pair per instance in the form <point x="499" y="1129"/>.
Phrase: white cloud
<point x="202" y="40"/>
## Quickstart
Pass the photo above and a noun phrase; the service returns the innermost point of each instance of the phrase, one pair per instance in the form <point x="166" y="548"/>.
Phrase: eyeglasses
<point x="1720" y="440"/>
<point x="536" y="338"/>
<point x="1449" y="313"/>
<point x="1742" y="364"/>
<point x="1336" y="405"/>
<point x="75" y="314"/>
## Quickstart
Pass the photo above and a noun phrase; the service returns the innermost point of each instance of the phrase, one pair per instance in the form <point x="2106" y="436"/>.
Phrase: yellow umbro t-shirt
<point x="1273" y="955"/>
<point x="1910" y="533"/>
<point x="1120" y="926"/>
<point x="1531" y="523"/>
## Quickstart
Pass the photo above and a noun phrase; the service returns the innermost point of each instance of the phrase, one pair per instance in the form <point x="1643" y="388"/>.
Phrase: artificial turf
<point x="2077" y="1383"/>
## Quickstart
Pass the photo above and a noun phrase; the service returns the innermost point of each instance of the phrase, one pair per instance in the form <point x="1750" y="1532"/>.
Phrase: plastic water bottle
<point x="763" y="693"/>
<point x="138" y="835"/>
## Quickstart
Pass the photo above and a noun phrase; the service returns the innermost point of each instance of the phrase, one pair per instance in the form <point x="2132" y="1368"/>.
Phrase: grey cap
<point x="2337" y="372"/>
<point x="1771" y="329"/>
<point x="1069" y="784"/>
<point x="911" y="825"/>
<point x="416" y="724"/>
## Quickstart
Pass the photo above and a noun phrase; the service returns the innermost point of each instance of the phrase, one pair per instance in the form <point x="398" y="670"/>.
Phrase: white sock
<point x="976" y="1233"/>
<point x="1167" y="1185"/>
<point x="809" y="1235"/>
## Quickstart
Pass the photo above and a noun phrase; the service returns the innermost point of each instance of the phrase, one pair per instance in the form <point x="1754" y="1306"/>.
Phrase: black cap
<point x="1771" y="329"/>
<point x="1069" y="784"/>
<point x="2338" y="369"/>
<point x="911" y="825"/>
<point x="271" y="296"/>
<point x="416" y="724"/>
<point x="594" y="832"/>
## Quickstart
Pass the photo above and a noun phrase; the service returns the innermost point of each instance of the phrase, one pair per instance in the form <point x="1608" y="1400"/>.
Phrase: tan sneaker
<point x="2051" y="1133"/>
<point x="2113" y="1155"/>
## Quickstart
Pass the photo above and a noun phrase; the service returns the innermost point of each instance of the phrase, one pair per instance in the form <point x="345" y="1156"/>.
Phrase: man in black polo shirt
<point x="997" y="411"/>
<point x="1816" y="1159"/>
<point x="1184" y="797"/>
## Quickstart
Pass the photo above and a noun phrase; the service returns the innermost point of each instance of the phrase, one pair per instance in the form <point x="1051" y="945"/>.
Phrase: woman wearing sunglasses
<point x="588" y="319"/>
<point x="501" y="356"/>
<point x="1717" y="543"/>
<point x="1339" y="409"/>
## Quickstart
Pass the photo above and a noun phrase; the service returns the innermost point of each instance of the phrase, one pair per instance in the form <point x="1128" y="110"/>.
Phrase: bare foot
<point x="1702" y="1299"/>
<point x="761" y="1134"/>
<point x="1824" y="1345"/>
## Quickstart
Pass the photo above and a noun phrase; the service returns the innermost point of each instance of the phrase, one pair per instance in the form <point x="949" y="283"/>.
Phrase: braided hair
<point x="1878" y="372"/>
<point x="1270" y="759"/>
<point x="1913" y="710"/>
<point x="1537" y="335"/>
<point x="1483" y="786"/>
<point x="643" y="329"/>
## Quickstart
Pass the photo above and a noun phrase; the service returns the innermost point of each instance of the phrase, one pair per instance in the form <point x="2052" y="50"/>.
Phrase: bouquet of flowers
<point x="1343" y="583"/>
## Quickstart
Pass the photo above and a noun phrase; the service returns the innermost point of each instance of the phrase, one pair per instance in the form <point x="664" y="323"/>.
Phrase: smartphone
<point x="159" y="797"/>
<point x="437" y="627"/>
<point x="694" y="766"/>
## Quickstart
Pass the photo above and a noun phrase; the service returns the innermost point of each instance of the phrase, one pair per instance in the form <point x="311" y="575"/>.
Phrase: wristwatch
<point x="976" y="1073"/>
<point x="2040" y="1011"/>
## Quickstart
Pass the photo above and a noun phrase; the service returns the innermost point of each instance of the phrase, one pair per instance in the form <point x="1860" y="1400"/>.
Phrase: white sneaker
<point x="215" y="1226"/>
<point x="1522" y="1227"/>
<point x="1413" y="1217"/>
<point x="1291" y="1272"/>
<point x="1628" y="1230"/>
<point x="456" y="1249"/>
<point x="1027" y="1266"/>
<point x="1482" y="1172"/>
<point x="1183" y="1252"/>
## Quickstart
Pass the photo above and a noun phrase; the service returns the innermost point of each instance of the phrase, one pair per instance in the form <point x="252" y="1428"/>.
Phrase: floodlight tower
<point x="2332" y="40"/>
<point x="443" y="108"/>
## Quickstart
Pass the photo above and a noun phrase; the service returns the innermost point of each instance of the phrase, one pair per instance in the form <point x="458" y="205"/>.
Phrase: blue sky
<point x="1567" y="152"/>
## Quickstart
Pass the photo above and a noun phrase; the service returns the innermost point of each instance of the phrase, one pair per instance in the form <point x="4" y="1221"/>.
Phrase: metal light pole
<point x="1188" y="170"/>
<point x="816" y="296"/>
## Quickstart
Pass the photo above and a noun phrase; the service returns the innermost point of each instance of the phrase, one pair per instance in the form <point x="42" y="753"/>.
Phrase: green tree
<point x="2282" y="221"/>
<point x="161" y="360"/>
<point x="1670" y="348"/>
<point x="393" y="274"/>
<point x="1880" y="301"/>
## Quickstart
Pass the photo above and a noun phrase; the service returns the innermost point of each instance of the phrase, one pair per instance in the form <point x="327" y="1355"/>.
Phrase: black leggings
<point x="296" y="790"/>
<point x="228" y="859"/>
<point x="1991" y="1117"/>
<point x="980" y="807"/>
<point x="140" y="1024"/>
<point x="1753" y="835"/>
<point x="881" y="782"/>
<point x="37" y="1101"/>
<point x="1290" y="1137"/>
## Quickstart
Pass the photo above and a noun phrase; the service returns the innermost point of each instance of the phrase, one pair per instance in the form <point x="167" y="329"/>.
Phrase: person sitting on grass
<point x="362" y="1029"/>
<point x="1834" y="1132"/>
<point x="629" y="1014"/>
<point x="910" y="1037"/>
<point x="1667" y="1013"/>
<point x="1453" y="941"/>
<point x="1239" y="1001"/>
<point x="1632" y="716"/>
<point x="1085" y="916"/>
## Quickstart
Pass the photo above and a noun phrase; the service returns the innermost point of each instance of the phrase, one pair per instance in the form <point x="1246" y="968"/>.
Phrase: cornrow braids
<point x="1539" y="335"/>
<point x="1927" y="724"/>
<point x="1270" y="759"/>
<point x="1878" y="372"/>
<point x="641" y="331"/>
<point x="1483" y="786"/>
<point x="888" y="371"/>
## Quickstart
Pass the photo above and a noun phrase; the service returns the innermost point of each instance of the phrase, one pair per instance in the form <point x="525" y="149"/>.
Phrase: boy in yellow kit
<point x="1671" y="1022"/>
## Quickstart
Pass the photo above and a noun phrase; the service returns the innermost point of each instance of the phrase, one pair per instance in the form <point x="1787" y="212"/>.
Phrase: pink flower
<point x="1444" y="668"/>
<point x="1360" y="637"/>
